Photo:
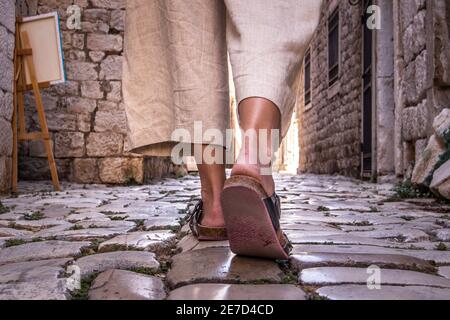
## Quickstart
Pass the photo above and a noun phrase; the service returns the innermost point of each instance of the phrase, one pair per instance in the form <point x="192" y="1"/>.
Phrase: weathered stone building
<point x="7" y="32"/>
<point x="374" y="102"/>
<point x="86" y="115"/>
<point x="375" y="80"/>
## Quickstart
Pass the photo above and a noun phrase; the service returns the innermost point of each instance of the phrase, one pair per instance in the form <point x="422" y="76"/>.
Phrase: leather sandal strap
<point x="273" y="205"/>
<point x="202" y="232"/>
<point x="195" y="217"/>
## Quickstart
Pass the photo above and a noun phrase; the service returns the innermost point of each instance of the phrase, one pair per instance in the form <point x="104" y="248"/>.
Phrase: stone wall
<point x="423" y="78"/>
<point x="329" y="131"/>
<point x="413" y="74"/>
<point x="7" y="31"/>
<point x="86" y="115"/>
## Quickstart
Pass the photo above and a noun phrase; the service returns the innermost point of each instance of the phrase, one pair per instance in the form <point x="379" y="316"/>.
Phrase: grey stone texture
<point x="7" y="38"/>
<point x="85" y="115"/>
<point x="408" y="240"/>
<point x="330" y="132"/>
<point x="411" y="88"/>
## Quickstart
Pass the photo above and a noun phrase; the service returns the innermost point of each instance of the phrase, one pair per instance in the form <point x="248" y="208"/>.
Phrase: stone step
<point x="142" y="240"/>
<point x="444" y="272"/>
<point x="41" y="251"/>
<point x="218" y="291"/>
<point x="220" y="265"/>
<point x="439" y="257"/>
<point x="124" y="260"/>
<point x="36" y="280"/>
<point x="359" y="292"/>
<point x="391" y="261"/>
<point x="344" y="275"/>
<point x="126" y="285"/>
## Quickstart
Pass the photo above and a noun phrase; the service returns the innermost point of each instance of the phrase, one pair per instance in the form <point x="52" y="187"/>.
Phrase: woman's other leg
<point x="212" y="178"/>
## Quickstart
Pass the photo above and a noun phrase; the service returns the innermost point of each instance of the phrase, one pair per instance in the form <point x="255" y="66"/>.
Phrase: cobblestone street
<point x="129" y="243"/>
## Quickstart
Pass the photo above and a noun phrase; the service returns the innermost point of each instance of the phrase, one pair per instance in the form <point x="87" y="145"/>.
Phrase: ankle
<point x="257" y="173"/>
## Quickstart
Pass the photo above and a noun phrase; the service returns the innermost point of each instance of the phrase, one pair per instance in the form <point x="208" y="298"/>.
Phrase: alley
<point x="352" y="240"/>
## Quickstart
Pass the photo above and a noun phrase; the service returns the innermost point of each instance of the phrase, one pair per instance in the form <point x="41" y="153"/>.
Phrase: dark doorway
<point x="367" y="96"/>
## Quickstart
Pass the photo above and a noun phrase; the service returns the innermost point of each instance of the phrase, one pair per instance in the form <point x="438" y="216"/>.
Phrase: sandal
<point x="203" y="233"/>
<point x="253" y="220"/>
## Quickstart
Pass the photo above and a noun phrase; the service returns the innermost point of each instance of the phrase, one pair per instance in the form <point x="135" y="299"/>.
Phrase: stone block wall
<point x="7" y="39"/>
<point x="329" y="131"/>
<point x="423" y="51"/>
<point x="86" y="115"/>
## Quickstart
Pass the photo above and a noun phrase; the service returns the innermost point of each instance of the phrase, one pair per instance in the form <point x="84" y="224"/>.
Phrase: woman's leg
<point x="257" y="114"/>
<point x="212" y="178"/>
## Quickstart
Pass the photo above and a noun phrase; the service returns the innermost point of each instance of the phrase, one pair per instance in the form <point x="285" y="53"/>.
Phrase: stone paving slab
<point x="10" y="232"/>
<point x="444" y="272"/>
<point x="84" y="234"/>
<point x="42" y="250"/>
<point x="343" y="275"/>
<point x="358" y="292"/>
<point x="43" y="270"/>
<point x="76" y="217"/>
<point x="126" y="285"/>
<point x="35" y="290"/>
<point x="334" y="222"/>
<point x="343" y="239"/>
<point x="392" y="261"/>
<point x="216" y="291"/>
<point x="36" y="225"/>
<point x="406" y="235"/>
<point x="443" y="234"/>
<point x="189" y="242"/>
<point x="147" y="240"/>
<point x="220" y="265"/>
<point x="159" y="223"/>
<point x="102" y="223"/>
<point x="124" y="260"/>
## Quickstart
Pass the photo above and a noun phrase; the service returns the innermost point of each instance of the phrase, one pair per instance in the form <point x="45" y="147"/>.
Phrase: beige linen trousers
<point x="176" y="63"/>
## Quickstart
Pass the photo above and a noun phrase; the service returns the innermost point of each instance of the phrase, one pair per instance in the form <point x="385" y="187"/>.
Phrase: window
<point x="333" y="47"/>
<point x="308" y="78"/>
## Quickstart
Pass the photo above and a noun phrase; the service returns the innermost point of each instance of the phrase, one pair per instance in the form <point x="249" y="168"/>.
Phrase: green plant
<point x="289" y="278"/>
<point x="83" y="292"/>
<point x="407" y="190"/>
<point x="362" y="224"/>
<point x="3" y="209"/>
<point x="36" y="215"/>
<point x="130" y="176"/>
<point x="76" y="227"/>
<point x="14" y="242"/>
<point x="441" y="247"/>
<point x="147" y="271"/>
<point x="118" y="218"/>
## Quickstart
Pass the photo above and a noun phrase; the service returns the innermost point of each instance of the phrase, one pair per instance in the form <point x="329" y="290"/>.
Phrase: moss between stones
<point x="14" y="242"/>
<point x="83" y="292"/>
<point x="36" y="215"/>
<point x="441" y="247"/>
<point x="3" y="209"/>
<point x="443" y="158"/>
<point x="408" y="190"/>
<point x="18" y="242"/>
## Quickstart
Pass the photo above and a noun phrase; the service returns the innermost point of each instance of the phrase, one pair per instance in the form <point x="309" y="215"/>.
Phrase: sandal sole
<point x="249" y="227"/>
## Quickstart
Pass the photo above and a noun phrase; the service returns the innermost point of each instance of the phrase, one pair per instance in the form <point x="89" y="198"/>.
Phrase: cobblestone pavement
<point x="130" y="243"/>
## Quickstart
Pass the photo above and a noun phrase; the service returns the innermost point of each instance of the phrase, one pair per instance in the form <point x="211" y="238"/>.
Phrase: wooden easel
<point x="23" y="55"/>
